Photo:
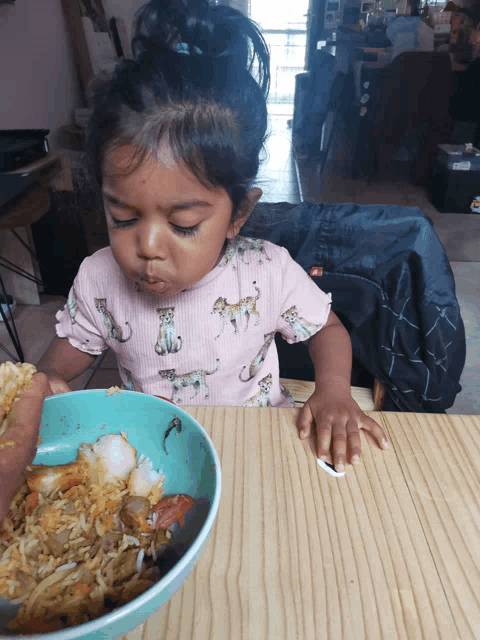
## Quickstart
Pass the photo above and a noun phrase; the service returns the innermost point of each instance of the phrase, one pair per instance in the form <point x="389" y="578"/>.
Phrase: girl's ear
<point x="248" y="205"/>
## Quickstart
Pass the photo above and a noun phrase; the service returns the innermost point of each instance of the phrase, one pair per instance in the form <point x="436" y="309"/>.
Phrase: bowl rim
<point x="100" y="623"/>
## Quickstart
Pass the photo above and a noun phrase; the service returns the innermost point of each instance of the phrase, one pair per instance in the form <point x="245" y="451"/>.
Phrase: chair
<point x="367" y="399"/>
<point x="22" y="211"/>
<point x="322" y="96"/>
<point x="409" y="105"/>
<point x="26" y="202"/>
<point x="392" y="287"/>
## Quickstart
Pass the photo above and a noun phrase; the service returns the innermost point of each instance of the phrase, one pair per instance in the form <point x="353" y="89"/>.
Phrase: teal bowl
<point x="190" y="465"/>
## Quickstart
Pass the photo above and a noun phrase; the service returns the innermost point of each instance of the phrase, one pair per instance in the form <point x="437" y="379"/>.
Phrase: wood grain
<point x="439" y="459"/>
<point x="296" y="553"/>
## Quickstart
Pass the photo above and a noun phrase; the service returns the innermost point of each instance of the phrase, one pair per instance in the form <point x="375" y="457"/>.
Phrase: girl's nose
<point x="151" y="243"/>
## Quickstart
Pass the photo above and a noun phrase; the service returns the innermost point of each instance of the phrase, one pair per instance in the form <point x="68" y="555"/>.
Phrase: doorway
<point x="284" y="26"/>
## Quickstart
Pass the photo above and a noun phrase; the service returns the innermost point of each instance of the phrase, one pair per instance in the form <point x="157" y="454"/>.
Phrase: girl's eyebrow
<point x="113" y="200"/>
<point x="181" y="206"/>
<point x="190" y="205"/>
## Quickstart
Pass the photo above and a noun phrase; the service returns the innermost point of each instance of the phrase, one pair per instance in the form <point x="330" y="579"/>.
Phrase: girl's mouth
<point x="155" y="285"/>
<point x="152" y="280"/>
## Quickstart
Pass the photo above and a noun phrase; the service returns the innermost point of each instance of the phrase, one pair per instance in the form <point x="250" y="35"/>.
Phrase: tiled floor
<point x="277" y="176"/>
<point x="460" y="235"/>
<point x="467" y="280"/>
<point x="35" y="326"/>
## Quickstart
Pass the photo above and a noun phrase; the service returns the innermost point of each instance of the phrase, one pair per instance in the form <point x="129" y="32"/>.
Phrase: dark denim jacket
<point x="392" y="287"/>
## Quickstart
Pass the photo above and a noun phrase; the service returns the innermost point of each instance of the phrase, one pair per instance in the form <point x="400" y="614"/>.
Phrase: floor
<point x="277" y="176"/>
<point x="282" y="180"/>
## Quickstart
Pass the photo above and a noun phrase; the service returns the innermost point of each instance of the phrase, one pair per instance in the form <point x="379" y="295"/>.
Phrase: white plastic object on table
<point x="329" y="468"/>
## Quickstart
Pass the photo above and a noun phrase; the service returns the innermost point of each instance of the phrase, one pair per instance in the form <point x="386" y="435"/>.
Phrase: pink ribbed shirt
<point x="211" y="344"/>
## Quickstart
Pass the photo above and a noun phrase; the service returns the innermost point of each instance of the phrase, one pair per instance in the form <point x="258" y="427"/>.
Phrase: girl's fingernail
<point x="340" y="468"/>
<point x="355" y="459"/>
<point x="322" y="458"/>
<point x="385" y="444"/>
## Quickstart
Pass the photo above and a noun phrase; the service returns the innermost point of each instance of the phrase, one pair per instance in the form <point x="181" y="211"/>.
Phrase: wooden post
<point x="78" y="41"/>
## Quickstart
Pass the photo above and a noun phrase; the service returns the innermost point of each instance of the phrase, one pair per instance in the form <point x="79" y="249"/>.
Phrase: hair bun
<point x="200" y="28"/>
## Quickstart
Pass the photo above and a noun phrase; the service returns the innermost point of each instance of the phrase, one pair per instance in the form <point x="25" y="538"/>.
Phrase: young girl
<point x="189" y="306"/>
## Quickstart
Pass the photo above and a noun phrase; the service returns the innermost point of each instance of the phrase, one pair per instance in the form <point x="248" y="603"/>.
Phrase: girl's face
<point x="166" y="229"/>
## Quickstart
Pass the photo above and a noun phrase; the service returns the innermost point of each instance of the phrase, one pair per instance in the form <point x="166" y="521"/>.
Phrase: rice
<point x="74" y="557"/>
<point x="13" y="379"/>
<point x="112" y="390"/>
<point x="138" y="566"/>
<point x="70" y="565"/>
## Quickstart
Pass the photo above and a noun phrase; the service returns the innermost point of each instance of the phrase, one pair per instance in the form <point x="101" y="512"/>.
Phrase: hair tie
<point x="184" y="47"/>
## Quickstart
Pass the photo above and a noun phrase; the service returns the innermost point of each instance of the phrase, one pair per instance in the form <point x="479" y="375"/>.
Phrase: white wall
<point x="39" y="85"/>
<point x="38" y="82"/>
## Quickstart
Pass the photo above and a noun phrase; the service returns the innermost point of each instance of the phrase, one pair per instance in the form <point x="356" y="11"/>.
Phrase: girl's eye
<point x="186" y="231"/>
<point x="183" y="231"/>
<point x="122" y="224"/>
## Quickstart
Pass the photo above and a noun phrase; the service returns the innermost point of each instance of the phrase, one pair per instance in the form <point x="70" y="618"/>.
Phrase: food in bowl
<point x="85" y="537"/>
<point x="13" y="379"/>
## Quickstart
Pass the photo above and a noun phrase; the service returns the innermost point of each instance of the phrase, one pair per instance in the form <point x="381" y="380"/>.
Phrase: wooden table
<point x="391" y="550"/>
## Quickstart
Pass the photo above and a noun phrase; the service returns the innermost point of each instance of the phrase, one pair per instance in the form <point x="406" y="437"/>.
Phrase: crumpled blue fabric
<point x="392" y="286"/>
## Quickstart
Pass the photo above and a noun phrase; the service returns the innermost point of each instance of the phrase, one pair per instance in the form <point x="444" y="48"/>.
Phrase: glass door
<point x="284" y="25"/>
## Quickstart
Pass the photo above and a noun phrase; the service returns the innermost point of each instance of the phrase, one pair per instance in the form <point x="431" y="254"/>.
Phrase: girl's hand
<point x="19" y="442"/>
<point x="338" y="418"/>
<point x="56" y="384"/>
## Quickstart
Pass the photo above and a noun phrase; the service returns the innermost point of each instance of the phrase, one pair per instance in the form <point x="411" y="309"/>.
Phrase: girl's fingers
<point x="376" y="430"/>
<point x="354" y="443"/>
<point x="339" y="445"/>
<point x="57" y="385"/>
<point x="338" y="435"/>
<point x="324" y="439"/>
<point x="304" y="422"/>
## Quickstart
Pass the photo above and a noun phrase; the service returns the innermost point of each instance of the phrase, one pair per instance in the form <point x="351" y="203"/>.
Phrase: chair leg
<point x="29" y="249"/>
<point x="12" y="330"/>
<point x="378" y="395"/>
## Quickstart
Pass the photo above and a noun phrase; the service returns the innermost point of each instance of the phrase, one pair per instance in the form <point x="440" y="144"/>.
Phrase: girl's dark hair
<point x="203" y="102"/>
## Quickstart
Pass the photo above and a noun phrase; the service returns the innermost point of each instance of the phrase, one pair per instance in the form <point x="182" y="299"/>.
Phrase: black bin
<point x="455" y="183"/>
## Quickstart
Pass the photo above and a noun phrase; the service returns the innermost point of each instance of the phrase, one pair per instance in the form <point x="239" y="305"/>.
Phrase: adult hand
<point x="18" y="444"/>
<point x="338" y="419"/>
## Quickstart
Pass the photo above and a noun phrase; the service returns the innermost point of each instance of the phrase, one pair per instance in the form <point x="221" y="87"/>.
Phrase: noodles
<point x="75" y="554"/>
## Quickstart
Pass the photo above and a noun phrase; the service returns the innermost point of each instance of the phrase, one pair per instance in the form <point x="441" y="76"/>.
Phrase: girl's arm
<point x="336" y="414"/>
<point x="62" y="363"/>
<point x="331" y="352"/>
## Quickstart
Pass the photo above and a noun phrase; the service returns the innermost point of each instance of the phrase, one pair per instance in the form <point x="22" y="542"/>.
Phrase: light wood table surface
<point x="391" y="550"/>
